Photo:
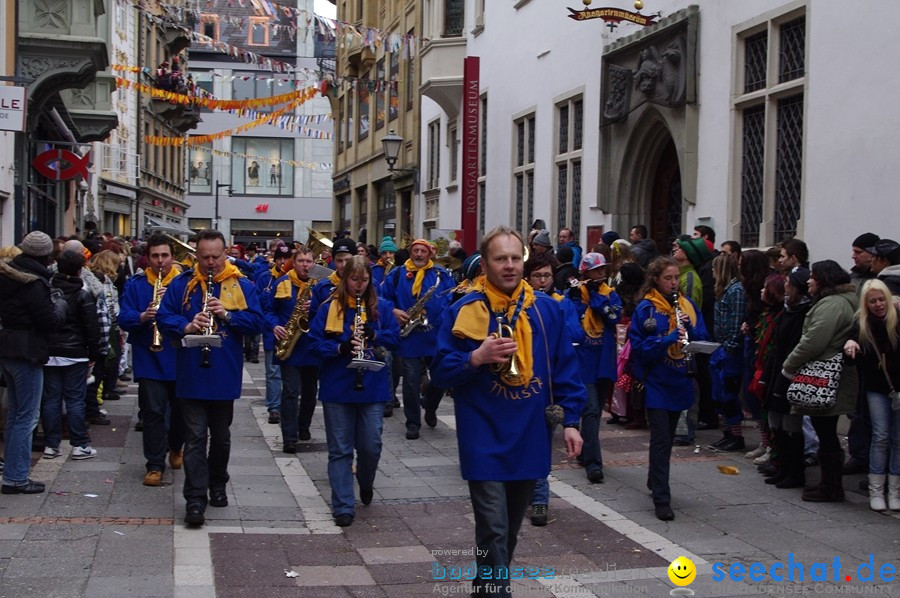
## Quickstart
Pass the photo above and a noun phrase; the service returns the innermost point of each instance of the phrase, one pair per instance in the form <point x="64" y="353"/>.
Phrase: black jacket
<point x="28" y="312"/>
<point x="563" y="273"/>
<point x="787" y="335"/>
<point x="79" y="336"/>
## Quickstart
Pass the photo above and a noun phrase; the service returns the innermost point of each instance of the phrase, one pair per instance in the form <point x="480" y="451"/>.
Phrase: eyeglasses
<point x="542" y="276"/>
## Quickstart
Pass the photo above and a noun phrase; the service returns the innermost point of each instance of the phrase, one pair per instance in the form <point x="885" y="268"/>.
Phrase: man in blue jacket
<point x="504" y="439"/>
<point x="154" y="367"/>
<point x="208" y="380"/>
<point x="405" y="286"/>
<point x="265" y="285"/>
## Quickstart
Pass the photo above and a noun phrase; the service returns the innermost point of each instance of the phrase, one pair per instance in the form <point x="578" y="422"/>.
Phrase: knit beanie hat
<point x="865" y="240"/>
<point x="344" y="245"/>
<point x="799" y="278"/>
<point x="37" y="244"/>
<point x="697" y="251"/>
<point x="387" y="244"/>
<point x="565" y="255"/>
<point x="470" y="266"/>
<point x="609" y="236"/>
<point x="543" y="238"/>
<point x="632" y="274"/>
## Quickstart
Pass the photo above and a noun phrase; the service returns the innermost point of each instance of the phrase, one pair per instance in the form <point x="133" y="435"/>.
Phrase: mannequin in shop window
<point x="253" y="174"/>
<point x="275" y="175"/>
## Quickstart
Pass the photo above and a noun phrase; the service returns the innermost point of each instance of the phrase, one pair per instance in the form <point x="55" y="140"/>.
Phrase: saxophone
<point x="297" y="325"/>
<point x="156" y="345"/>
<point x="416" y="313"/>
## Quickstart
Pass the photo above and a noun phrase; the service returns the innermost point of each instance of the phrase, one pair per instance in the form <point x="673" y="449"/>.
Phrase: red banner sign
<point x="470" y="144"/>
<point x="612" y="15"/>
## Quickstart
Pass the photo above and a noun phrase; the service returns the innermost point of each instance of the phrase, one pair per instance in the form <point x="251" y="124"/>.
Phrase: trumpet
<point x="508" y="370"/>
<point x="208" y="329"/>
<point x="156" y="344"/>
<point x="684" y="343"/>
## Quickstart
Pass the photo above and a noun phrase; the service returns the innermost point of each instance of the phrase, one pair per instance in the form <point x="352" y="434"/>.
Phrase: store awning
<point x="156" y="225"/>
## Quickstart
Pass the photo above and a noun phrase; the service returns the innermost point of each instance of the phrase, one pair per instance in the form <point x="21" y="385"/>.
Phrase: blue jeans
<point x="499" y="508"/>
<point x="541" y="495"/>
<point x="662" y="425"/>
<point x="350" y="426"/>
<point x="205" y="420"/>
<point x="297" y="382"/>
<point x="590" y="425"/>
<point x="24" y="383"/>
<point x="811" y="439"/>
<point x="273" y="383"/>
<point x="163" y="421"/>
<point x="413" y="367"/>
<point x="65" y="383"/>
<point x="884" y="453"/>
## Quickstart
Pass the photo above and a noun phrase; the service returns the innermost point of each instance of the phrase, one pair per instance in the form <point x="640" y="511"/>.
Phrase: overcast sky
<point x="324" y="8"/>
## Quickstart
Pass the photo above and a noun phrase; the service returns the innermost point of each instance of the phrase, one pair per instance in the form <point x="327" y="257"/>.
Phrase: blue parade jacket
<point x="136" y="296"/>
<point x="502" y="430"/>
<point x="320" y="293"/>
<point x="397" y="289"/>
<point x="278" y="312"/>
<point x="222" y="380"/>
<point x="336" y="380"/>
<point x="265" y="287"/>
<point x="597" y="356"/>
<point x="665" y="378"/>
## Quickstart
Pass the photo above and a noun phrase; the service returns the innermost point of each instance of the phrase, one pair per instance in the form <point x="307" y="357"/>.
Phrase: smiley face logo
<point x="682" y="571"/>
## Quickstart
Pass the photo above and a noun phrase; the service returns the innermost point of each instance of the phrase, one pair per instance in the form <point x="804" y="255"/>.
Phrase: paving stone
<point x="398" y="554"/>
<point x="332" y="576"/>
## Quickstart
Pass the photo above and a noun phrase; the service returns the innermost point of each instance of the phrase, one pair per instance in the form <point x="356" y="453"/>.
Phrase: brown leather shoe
<point x="176" y="460"/>
<point x="153" y="478"/>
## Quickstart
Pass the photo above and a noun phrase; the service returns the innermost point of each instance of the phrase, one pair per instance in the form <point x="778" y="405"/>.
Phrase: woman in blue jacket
<point x="661" y="365"/>
<point x="353" y="399"/>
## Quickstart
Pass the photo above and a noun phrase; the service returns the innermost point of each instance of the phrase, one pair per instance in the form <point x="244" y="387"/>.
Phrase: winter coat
<point x="787" y="335"/>
<point x="28" y="310"/>
<point x="79" y="336"/>
<point x="869" y="362"/>
<point x="826" y="328"/>
<point x="891" y="277"/>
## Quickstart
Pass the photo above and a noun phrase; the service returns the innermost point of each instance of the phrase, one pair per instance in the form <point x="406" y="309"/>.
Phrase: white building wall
<point x="533" y="54"/>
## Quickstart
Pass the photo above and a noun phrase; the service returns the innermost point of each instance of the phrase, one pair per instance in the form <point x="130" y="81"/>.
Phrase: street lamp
<point x="391" y="143"/>
<point x="216" y="215"/>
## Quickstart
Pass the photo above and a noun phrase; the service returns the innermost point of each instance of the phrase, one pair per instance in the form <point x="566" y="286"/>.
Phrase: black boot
<point x="830" y="489"/>
<point x="796" y="477"/>
<point x="783" y="455"/>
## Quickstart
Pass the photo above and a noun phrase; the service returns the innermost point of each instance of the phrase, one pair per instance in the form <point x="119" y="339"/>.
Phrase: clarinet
<point x="684" y="343"/>
<point x="358" y="333"/>
<point x="207" y="331"/>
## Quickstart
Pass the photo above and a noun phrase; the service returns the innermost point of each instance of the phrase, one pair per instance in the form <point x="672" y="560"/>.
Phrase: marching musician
<point x="300" y="369"/>
<point x="230" y="309"/>
<point x="343" y="250"/>
<point x="404" y="286"/>
<point x="598" y="308"/>
<point x="154" y="366"/>
<point x="265" y="286"/>
<point x="352" y="400"/>
<point x="385" y="262"/>
<point x="501" y="414"/>
<point x="659" y="361"/>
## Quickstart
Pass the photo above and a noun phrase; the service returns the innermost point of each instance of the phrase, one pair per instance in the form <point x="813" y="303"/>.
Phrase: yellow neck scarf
<point x="473" y="321"/>
<point x="230" y="293"/>
<point x="411" y="268"/>
<point x="663" y="306"/>
<point x="152" y="275"/>
<point x="334" y="278"/>
<point x="335" y="322"/>
<point x="556" y="296"/>
<point x="276" y="273"/>
<point x="295" y="280"/>
<point x="591" y="322"/>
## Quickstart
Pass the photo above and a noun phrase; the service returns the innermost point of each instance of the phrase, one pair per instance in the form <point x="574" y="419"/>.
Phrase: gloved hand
<point x="345" y="348"/>
<point x="369" y="331"/>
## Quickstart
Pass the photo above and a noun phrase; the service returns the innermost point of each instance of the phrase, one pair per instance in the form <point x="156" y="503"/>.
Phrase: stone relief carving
<point x="50" y="13"/>
<point x="661" y="72"/>
<point x="618" y="92"/>
<point x="33" y="67"/>
<point x="81" y="98"/>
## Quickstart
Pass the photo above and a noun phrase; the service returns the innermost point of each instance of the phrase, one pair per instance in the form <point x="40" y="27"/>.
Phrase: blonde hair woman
<point x="878" y="348"/>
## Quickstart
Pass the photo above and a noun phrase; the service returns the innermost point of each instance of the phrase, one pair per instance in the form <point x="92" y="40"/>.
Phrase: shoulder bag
<point x="815" y="386"/>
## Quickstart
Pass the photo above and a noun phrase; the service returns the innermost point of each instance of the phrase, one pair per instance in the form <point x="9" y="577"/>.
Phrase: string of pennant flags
<point x="294" y="163"/>
<point x="270" y="118"/>
<point x="214" y="104"/>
